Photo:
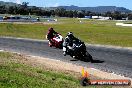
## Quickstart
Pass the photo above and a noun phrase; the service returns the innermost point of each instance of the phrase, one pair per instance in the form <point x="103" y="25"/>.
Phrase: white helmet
<point x="69" y="34"/>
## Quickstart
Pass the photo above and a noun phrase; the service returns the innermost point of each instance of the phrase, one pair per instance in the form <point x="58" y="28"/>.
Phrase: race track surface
<point x="118" y="61"/>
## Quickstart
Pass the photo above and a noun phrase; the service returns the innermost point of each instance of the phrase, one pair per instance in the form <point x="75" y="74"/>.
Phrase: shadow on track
<point x="97" y="61"/>
<point x="74" y="60"/>
<point x="89" y="60"/>
<point x="93" y="60"/>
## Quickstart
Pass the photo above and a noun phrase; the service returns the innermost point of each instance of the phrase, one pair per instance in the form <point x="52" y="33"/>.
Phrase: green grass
<point x="90" y="31"/>
<point x="14" y="74"/>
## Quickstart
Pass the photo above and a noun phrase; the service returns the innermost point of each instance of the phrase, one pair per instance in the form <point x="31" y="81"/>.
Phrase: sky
<point x="81" y="3"/>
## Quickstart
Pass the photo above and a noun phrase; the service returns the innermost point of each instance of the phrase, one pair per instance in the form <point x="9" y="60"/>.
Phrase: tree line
<point x="24" y="9"/>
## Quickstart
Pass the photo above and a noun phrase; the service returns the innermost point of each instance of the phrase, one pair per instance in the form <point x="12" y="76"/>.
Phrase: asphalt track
<point x="118" y="61"/>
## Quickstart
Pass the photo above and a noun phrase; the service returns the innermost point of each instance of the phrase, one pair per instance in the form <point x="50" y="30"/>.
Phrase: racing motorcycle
<point x="57" y="41"/>
<point x="78" y="50"/>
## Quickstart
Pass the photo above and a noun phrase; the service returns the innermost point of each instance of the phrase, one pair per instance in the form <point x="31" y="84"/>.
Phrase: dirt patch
<point x="68" y="68"/>
<point x="52" y="65"/>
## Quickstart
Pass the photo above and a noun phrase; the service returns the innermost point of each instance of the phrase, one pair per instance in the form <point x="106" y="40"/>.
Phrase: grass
<point x="90" y="31"/>
<point x="14" y="74"/>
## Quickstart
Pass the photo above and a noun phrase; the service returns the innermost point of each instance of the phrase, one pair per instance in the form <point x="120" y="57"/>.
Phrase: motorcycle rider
<point x="68" y="43"/>
<point x="50" y="35"/>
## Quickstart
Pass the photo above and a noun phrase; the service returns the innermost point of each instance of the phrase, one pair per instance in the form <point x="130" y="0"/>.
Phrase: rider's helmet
<point x="70" y="34"/>
<point x="50" y="29"/>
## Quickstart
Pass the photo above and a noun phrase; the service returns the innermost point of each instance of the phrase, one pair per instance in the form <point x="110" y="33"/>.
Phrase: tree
<point x="83" y="12"/>
<point x="129" y="16"/>
<point x="108" y="14"/>
<point x="116" y="15"/>
<point x="10" y="10"/>
<point x="80" y="15"/>
<point x="75" y="13"/>
<point x="52" y="13"/>
<point x="3" y="9"/>
<point x="69" y="14"/>
<point x="60" y="12"/>
<point x="25" y="4"/>
<point x="88" y="13"/>
<point x="23" y="9"/>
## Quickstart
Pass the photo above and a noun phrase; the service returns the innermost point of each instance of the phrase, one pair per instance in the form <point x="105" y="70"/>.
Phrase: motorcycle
<point x="78" y="51"/>
<point x="57" y="41"/>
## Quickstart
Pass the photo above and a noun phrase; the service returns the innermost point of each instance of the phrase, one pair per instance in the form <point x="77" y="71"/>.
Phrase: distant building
<point x="88" y="17"/>
<point x="49" y="20"/>
<point x="1" y="18"/>
<point x="95" y="17"/>
<point x="101" y="18"/>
